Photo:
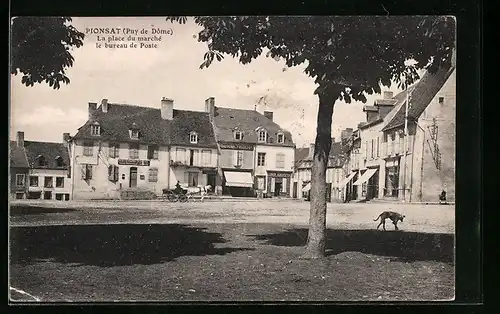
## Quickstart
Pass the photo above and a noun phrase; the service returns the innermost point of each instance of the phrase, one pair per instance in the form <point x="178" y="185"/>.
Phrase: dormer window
<point x="95" y="129"/>
<point x="193" y="138"/>
<point x="40" y="161"/>
<point x="280" y="138"/>
<point x="238" y="135"/>
<point x="262" y="136"/>
<point x="134" y="134"/>
<point x="59" y="161"/>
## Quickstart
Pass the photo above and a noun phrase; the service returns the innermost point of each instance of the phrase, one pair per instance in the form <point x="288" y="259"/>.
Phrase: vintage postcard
<point x="233" y="158"/>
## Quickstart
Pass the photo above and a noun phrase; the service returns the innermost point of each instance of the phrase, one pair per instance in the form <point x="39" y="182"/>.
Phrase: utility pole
<point x="405" y="142"/>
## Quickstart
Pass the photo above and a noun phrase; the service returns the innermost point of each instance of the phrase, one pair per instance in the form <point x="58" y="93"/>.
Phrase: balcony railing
<point x="179" y="164"/>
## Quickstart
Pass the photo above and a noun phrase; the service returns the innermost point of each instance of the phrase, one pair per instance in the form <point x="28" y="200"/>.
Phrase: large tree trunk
<point x="316" y="240"/>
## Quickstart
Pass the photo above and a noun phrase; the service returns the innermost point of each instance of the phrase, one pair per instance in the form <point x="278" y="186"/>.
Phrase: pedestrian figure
<point x="442" y="197"/>
<point x="178" y="188"/>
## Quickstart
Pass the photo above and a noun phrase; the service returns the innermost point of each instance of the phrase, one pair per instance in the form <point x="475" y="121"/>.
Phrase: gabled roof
<point x="153" y="129"/>
<point x="423" y="93"/>
<point x="17" y="156"/>
<point x="227" y="120"/>
<point x="50" y="152"/>
<point x="300" y="155"/>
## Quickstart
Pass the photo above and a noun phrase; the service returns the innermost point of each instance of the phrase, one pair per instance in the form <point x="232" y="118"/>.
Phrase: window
<point x="59" y="161"/>
<point x="20" y="179"/>
<point x="114" y="150"/>
<point x="47" y="195"/>
<point x="88" y="149"/>
<point x="281" y="138"/>
<point x="152" y="152"/>
<point x="378" y="146"/>
<point x="19" y="195"/>
<point x="262" y="136"/>
<point x="193" y="157"/>
<point x="261" y="159"/>
<point x="180" y="155"/>
<point x="193" y="179"/>
<point x="207" y="154"/>
<point x="66" y="197"/>
<point x="384" y="138"/>
<point x="59" y="196"/>
<point x="48" y="182"/>
<point x="280" y="160"/>
<point x="40" y="161"/>
<point x="86" y="171"/>
<point x="134" y="134"/>
<point x="193" y="138"/>
<point x="133" y="150"/>
<point x="441" y="100"/>
<point x="95" y="130"/>
<point x="238" y="135"/>
<point x="33" y="181"/>
<point x="238" y="159"/>
<point x="113" y="173"/>
<point x="59" y="182"/>
<point x="373" y="148"/>
<point x="153" y="174"/>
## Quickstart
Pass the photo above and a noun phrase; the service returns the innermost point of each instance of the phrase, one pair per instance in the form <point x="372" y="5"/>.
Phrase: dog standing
<point x="395" y="217"/>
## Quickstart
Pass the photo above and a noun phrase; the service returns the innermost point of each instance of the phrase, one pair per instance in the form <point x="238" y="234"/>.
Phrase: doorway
<point x="133" y="177"/>
<point x="211" y="180"/>
<point x="295" y="187"/>
<point x="278" y="186"/>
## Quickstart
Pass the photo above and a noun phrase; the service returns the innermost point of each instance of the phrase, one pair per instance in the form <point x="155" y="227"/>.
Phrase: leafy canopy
<point x="353" y="55"/>
<point x="41" y="49"/>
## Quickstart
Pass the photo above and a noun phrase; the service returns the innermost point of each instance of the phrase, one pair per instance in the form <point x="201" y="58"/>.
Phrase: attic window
<point x="238" y="135"/>
<point x="59" y="161"/>
<point x="193" y="138"/>
<point x="95" y="129"/>
<point x="40" y="161"/>
<point x="281" y="138"/>
<point x="441" y="100"/>
<point x="263" y="136"/>
<point x="134" y="134"/>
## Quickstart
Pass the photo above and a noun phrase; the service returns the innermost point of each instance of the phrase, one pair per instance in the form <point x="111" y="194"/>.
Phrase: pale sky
<point x="144" y="76"/>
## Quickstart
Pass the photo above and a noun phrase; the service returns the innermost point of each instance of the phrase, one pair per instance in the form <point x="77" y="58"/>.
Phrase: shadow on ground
<point x="403" y="246"/>
<point x="36" y="210"/>
<point x="112" y="245"/>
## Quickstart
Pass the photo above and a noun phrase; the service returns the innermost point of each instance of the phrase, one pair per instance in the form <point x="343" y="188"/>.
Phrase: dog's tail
<point x="377" y="217"/>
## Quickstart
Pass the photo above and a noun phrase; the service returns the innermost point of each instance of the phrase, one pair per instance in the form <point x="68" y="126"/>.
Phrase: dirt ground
<point x="229" y="251"/>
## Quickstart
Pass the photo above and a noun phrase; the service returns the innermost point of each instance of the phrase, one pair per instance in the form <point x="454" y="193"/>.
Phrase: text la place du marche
<point x="116" y="37"/>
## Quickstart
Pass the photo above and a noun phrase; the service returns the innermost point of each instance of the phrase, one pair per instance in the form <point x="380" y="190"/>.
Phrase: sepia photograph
<point x="232" y="158"/>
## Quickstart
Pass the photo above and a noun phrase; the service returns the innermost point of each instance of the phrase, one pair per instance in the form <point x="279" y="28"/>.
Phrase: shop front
<point x="369" y="187"/>
<point x="278" y="183"/>
<point x="238" y="183"/>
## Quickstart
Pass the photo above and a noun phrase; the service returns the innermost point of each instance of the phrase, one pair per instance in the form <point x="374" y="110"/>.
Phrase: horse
<point x="201" y="190"/>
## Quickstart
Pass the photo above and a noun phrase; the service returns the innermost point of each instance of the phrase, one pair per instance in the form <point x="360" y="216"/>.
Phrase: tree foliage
<point x="358" y="54"/>
<point x="41" y="49"/>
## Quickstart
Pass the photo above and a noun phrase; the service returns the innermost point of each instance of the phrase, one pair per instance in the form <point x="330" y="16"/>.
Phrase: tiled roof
<point x="153" y="129"/>
<point x="423" y="93"/>
<point x="301" y="154"/>
<point x="49" y="151"/>
<point x="227" y="120"/>
<point x="17" y="156"/>
<point x="336" y="155"/>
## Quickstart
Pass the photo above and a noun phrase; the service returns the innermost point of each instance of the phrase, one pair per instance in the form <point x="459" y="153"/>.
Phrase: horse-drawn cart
<point x="175" y="195"/>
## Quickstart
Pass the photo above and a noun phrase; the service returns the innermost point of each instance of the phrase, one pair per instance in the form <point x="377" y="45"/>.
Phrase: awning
<point x="365" y="176"/>
<point x="238" y="179"/>
<point x="346" y="180"/>
<point x="307" y="187"/>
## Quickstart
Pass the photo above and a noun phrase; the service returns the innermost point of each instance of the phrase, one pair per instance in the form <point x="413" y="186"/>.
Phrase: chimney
<point x="388" y="95"/>
<point x="167" y="109"/>
<point x="20" y="139"/>
<point x="269" y="115"/>
<point x="104" y="105"/>
<point x="92" y="109"/>
<point x="66" y="138"/>
<point x="346" y="133"/>
<point x="311" y="150"/>
<point x="210" y="106"/>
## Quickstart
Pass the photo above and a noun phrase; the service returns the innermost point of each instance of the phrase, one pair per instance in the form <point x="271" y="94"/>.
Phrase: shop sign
<point x="278" y="174"/>
<point x="133" y="162"/>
